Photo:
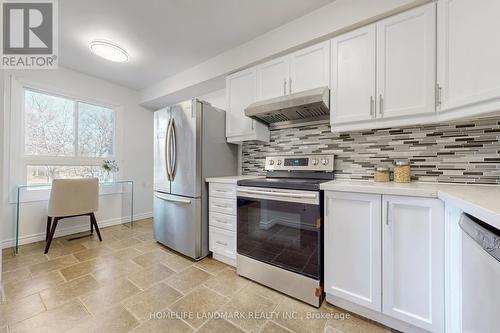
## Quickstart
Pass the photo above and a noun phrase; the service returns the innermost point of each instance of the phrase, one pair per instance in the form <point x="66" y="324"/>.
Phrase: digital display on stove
<point x="297" y="161"/>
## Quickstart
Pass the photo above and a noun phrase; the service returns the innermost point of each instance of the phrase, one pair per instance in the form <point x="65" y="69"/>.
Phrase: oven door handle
<point x="281" y="194"/>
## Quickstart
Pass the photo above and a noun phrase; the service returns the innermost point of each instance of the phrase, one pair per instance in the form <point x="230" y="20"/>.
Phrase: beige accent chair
<point x="71" y="198"/>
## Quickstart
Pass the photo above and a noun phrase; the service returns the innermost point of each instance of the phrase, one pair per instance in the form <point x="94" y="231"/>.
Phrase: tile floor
<point x="129" y="283"/>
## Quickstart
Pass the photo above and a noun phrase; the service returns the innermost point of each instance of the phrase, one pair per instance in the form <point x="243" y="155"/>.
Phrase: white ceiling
<point x="165" y="37"/>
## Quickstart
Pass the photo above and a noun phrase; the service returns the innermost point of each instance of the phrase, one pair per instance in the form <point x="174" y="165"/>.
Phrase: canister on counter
<point x="402" y="171"/>
<point x="382" y="174"/>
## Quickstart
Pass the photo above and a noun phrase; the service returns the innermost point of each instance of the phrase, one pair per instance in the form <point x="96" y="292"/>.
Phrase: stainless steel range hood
<point x="310" y="105"/>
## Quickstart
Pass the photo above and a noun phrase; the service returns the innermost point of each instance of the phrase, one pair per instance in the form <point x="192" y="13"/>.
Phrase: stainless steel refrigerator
<point x="190" y="145"/>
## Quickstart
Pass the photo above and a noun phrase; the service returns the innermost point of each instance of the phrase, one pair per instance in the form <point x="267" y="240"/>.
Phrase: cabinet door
<point x="353" y="247"/>
<point x="468" y="53"/>
<point x="240" y="90"/>
<point x="310" y="68"/>
<point x="413" y="261"/>
<point x="272" y="78"/>
<point x="352" y="95"/>
<point x="406" y="63"/>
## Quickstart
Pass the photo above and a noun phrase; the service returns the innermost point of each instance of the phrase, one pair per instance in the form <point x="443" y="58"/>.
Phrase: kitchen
<point x="337" y="172"/>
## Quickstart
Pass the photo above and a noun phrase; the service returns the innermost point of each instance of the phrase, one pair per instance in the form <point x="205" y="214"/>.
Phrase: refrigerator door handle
<point x="167" y="150"/>
<point x="180" y="201"/>
<point x="173" y="151"/>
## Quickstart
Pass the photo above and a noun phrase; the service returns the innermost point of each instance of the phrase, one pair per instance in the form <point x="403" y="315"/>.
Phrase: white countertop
<point x="230" y="179"/>
<point x="481" y="201"/>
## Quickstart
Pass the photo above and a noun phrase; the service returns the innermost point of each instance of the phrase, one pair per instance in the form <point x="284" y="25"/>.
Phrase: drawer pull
<point x="223" y="222"/>
<point x="220" y="206"/>
<point x="221" y="243"/>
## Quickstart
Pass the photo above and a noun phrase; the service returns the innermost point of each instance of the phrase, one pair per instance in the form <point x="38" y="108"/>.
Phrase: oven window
<point x="283" y="234"/>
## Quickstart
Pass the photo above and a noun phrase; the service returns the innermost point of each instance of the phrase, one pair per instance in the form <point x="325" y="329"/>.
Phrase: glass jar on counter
<point x="382" y="174"/>
<point x="402" y="171"/>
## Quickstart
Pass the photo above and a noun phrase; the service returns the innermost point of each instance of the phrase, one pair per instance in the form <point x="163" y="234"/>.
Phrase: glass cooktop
<point x="285" y="183"/>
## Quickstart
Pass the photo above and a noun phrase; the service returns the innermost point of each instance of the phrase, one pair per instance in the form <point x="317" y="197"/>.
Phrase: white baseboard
<point x="374" y="315"/>
<point x="26" y="239"/>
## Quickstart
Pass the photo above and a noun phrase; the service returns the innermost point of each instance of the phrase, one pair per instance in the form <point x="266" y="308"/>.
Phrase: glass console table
<point x="125" y="188"/>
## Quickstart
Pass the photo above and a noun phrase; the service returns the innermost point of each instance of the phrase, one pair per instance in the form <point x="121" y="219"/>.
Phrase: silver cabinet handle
<point x="181" y="201"/>
<point x="371" y="105"/>
<point x="220" y="206"/>
<point x="221" y="222"/>
<point x="380" y="104"/>
<point x="221" y="243"/>
<point x="438" y="94"/>
<point x="388" y="220"/>
<point x="290" y="85"/>
<point x="284" y="87"/>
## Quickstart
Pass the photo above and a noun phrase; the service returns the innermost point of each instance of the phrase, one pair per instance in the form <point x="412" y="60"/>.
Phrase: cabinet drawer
<point x="222" y="190"/>
<point x="222" y="221"/>
<point x="221" y="205"/>
<point x="222" y="242"/>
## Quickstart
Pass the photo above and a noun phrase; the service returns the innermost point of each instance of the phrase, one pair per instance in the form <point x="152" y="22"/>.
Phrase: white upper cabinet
<point x="352" y="94"/>
<point x="240" y="93"/>
<point x="353" y="250"/>
<point x="310" y="68"/>
<point x="272" y="78"/>
<point x="468" y="55"/>
<point x="384" y="74"/>
<point x="413" y="261"/>
<point x="406" y="63"/>
<point x="302" y="70"/>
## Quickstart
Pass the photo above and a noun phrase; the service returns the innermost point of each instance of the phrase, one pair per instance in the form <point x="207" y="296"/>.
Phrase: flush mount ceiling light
<point x="108" y="50"/>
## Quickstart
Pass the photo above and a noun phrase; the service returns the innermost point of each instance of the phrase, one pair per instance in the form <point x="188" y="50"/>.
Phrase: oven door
<point x="282" y="228"/>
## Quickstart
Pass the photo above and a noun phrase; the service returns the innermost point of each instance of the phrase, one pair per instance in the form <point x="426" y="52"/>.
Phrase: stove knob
<point x="314" y="161"/>
<point x="324" y="161"/>
<point x="278" y="162"/>
<point x="271" y="162"/>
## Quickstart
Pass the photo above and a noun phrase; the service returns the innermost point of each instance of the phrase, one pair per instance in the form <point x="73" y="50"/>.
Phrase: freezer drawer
<point x="178" y="224"/>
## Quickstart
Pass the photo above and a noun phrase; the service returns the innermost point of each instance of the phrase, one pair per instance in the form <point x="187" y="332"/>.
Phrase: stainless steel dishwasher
<point x="480" y="276"/>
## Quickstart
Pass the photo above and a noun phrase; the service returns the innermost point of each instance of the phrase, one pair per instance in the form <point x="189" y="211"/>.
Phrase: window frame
<point x="76" y="159"/>
<point x="16" y="135"/>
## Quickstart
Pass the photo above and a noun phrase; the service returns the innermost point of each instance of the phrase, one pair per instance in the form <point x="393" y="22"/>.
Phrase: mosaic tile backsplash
<point x="459" y="152"/>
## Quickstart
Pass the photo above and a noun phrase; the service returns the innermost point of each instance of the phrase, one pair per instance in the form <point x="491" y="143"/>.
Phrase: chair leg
<point x="47" y="232"/>
<point x="52" y="231"/>
<point x="91" y="225"/>
<point x="94" y="221"/>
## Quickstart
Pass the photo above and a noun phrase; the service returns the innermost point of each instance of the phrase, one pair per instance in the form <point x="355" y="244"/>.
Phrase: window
<point x="65" y="138"/>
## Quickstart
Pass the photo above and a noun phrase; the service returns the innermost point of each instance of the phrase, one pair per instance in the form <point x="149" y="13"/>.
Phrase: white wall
<point x="2" y="215"/>
<point x="321" y="24"/>
<point x="135" y="161"/>
<point x="216" y="98"/>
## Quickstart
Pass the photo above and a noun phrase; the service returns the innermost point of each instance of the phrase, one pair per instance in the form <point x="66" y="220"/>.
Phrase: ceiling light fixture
<point x="108" y="50"/>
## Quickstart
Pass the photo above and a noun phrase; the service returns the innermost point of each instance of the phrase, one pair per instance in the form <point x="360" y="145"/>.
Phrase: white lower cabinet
<point x="222" y="222"/>
<point x="413" y="261"/>
<point x="386" y="254"/>
<point x="353" y="247"/>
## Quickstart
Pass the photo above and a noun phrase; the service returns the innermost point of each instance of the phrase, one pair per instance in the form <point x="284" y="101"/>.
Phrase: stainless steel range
<point x="280" y="226"/>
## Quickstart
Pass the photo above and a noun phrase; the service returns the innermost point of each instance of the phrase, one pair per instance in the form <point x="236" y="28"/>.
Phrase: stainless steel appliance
<point x="480" y="275"/>
<point x="190" y="145"/>
<point x="304" y="106"/>
<point x="280" y="226"/>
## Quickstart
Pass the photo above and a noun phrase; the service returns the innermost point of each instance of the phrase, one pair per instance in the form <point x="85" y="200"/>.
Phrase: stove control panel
<point x="302" y="162"/>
